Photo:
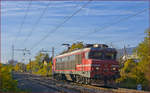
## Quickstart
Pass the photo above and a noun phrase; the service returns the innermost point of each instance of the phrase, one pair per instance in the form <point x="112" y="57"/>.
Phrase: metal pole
<point x="149" y="39"/>
<point x="52" y="52"/>
<point x="12" y="52"/>
<point x="125" y="53"/>
<point x="30" y="66"/>
<point x="52" y="61"/>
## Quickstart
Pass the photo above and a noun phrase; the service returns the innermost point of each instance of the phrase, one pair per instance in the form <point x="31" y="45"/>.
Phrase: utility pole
<point x="52" y="59"/>
<point x="30" y="65"/>
<point x="12" y="52"/>
<point x="149" y="38"/>
<point x="125" y="52"/>
<point x="12" y="56"/>
<point x="52" y="52"/>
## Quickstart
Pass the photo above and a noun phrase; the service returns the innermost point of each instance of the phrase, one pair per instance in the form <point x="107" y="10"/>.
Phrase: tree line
<point x="42" y="65"/>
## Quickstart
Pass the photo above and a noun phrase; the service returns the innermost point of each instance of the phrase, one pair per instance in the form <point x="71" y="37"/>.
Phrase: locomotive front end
<point x="103" y="64"/>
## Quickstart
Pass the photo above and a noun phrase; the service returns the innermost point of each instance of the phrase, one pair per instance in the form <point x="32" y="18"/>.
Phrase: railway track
<point x="54" y="85"/>
<point x="49" y="83"/>
<point x="104" y="89"/>
<point x="45" y="84"/>
<point x="31" y="79"/>
<point x="62" y="86"/>
<point x="67" y="87"/>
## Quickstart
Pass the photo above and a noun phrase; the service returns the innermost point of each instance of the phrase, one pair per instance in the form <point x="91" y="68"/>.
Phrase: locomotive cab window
<point x="102" y="55"/>
<point x="96" y="55"/>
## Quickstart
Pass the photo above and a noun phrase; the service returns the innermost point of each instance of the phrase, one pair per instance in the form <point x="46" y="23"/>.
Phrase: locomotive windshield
<point x="102" y="55"/>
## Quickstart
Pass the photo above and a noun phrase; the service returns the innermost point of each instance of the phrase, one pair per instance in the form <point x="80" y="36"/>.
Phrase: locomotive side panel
<point x="73" y="66"/>
<point x="68" y="62"/>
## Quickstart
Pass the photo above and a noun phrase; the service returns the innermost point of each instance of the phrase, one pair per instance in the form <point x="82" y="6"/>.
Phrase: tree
<point x="138" y="72"/>
<point x="128" y="79"/>
<point x="20" y="67"/>
<point x="41" y="65"/>
<point x="30" y="66"/>
<point x="7" y="83"/>
<point x="36" y="64"/>
<point x="143" y="51"/>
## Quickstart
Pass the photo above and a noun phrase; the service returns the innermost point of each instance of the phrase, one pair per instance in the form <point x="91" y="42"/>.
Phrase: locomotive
<point x="93" y="63"/>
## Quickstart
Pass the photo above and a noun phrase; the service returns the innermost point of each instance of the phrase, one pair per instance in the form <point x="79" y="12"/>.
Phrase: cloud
<point x="105" y="12"/>
<point x="115" y="3"/>
<point x="12" y="9"/>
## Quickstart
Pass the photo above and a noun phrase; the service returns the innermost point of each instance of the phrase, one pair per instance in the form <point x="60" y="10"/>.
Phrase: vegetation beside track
<point x="137" y="72"/>
<point x="7" y="84"/>
<point x="42" y="65"/>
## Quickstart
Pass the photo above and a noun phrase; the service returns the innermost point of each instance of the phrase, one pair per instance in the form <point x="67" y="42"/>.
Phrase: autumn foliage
<point x="7" y="84"/>
<point x="134" y="72"/>
<point x="42" y="65"/>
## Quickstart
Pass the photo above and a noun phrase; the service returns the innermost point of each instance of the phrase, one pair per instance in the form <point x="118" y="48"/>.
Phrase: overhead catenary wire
<point x="74" y="14"/>
<point x="36" y="23"/>
<point x="23" y="21"/>
<point x="112" y="24"/>
<point x="58" y="26"/>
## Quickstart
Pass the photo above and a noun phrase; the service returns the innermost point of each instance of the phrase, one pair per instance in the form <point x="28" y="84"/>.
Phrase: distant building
<point x="12" y="62"/>
<point x="122" y="52"/>
<point x="132" y="56"/>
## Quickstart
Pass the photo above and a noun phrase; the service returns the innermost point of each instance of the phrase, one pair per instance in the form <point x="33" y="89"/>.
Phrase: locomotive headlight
<point x="96" y="45"/>
<point x="97" y="68"/>
<point x="114" y="68"/>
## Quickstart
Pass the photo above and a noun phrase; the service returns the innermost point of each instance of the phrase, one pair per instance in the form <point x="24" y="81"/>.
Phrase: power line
<point x="111" y="24"/>
<point x="58" y="26"/>
<point x="23" y="21"/>
<point x="114" y="23"/>
<point x="36" y="23"/>
<point x="105" y="27"/>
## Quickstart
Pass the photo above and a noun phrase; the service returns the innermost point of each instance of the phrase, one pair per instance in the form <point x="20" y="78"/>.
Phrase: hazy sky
<point x="25" y="23"/>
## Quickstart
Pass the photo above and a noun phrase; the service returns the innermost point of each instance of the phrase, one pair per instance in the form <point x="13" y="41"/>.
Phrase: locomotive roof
<point x="86" y="49"/>
<point x="73" y="52"/>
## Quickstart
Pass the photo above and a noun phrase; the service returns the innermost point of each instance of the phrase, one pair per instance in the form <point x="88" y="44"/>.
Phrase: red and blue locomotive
<point x="92" y="63"/>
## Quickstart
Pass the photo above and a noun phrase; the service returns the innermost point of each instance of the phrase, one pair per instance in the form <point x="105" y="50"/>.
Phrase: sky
<point x="45" y="24"/>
